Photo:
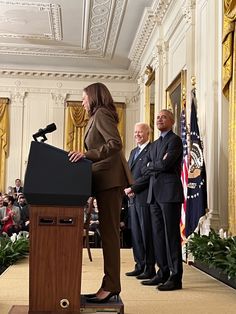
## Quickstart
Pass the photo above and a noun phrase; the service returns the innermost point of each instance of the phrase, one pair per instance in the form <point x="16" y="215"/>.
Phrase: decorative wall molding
<point x="47" y="12"/>
<point x="174" y="25"/>
<point x="133" y="100"/>
<point x="65" y="75"/>
<point x="143" y="34"/>
<point x="141" y="83"/>
<point x="19" y="94"/>
<point x="165" y="52"/>
<point x="59" y="99"/>
<point x="17" y="98"/>
<point x="160" y="7"/>
<point x="156" y="58"/>
<point x="188" y="11"/>
<point x="152" y="17"/>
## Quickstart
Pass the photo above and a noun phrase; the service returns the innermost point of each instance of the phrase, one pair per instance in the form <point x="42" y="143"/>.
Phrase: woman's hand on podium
<point x="76" y="156"/>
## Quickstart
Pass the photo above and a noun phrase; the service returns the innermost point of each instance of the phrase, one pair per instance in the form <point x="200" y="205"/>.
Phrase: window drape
<point x="4" y="143"/>
<point x="229" y="90"/>
<point x="76" y="121"/>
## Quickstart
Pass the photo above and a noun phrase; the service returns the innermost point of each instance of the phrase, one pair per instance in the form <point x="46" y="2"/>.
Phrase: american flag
<point x="184" y="171"/>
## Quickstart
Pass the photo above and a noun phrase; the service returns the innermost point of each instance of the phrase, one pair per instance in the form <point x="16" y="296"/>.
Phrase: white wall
<point x="190" y="38"/>
<point x="35" y="103"/>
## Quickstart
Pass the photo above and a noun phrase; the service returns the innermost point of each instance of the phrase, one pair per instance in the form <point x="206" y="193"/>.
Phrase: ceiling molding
<point x="26" y="27"/>
<point x="104" y="24"/>
<point x="49" y="14"/>
<point x="65" y="75"/>
<point x="151" y="17"/>
<point x="46" y="51"/>
<point x="100" y="32"/>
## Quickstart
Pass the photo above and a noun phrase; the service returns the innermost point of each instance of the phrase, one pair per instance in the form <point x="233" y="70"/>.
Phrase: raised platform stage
<point x="110" y="307"/>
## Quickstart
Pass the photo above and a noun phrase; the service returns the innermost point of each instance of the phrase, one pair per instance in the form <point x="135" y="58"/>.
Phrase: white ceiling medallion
<point x="30" y="20"/>
<point x="102" y="28"/>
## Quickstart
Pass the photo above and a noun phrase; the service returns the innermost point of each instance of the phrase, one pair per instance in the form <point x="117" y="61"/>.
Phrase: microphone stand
<point x="44" y="138"/>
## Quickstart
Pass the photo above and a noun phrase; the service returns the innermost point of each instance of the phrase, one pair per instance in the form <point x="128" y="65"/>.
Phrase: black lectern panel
<point x="51" y="179"/>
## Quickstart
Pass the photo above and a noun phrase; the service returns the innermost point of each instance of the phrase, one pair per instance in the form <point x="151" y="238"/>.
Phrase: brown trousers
<point x="109" y="207"/>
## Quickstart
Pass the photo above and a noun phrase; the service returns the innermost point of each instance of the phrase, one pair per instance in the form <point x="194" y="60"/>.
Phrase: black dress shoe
<point x="112" y="295"/>
<point x="170" y="285"/>
<point x="134" y="273"/>
<point x="156" y="280"/>
<point x="145" y="275"/>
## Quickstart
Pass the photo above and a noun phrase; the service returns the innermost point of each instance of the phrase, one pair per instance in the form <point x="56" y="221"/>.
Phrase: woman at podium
<point x="110" y="174"/>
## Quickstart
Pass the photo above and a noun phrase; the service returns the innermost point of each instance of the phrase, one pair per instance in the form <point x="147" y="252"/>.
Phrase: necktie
<point x="137" y="152"/>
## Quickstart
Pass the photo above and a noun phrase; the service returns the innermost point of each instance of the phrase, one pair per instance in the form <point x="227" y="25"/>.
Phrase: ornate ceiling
<point x="76" y="38"/>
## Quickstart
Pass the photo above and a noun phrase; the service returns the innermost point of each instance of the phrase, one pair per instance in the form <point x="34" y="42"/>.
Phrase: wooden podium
<point x="57" y="191"/>
<point x="55" y="262"/>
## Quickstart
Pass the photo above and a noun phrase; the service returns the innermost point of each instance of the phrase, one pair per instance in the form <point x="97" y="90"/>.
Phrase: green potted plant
<point x="13" y="248"/>
<point x="215" y="255"/>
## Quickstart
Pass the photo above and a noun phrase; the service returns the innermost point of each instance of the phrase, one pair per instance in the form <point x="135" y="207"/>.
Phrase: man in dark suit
<point x="18" y="188"/>
<point x="139" y="210"/>
<point x="162" y="173"/>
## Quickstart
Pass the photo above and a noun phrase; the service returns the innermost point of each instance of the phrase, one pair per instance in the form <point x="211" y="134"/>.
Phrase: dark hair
<point x="100" y="97"/>
<point x="10" y="199"/>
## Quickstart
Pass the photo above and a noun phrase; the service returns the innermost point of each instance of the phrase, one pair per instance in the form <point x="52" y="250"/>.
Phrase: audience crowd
<point x="14" y="216"/>
<point x="14" y="210"/>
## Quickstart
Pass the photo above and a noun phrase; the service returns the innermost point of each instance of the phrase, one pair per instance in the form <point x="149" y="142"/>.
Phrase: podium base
<point x="110" y="307"/>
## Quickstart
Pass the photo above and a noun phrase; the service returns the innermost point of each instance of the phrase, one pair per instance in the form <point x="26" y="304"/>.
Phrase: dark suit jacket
<point x="162" y="170"/>
<point x="20" y="190"/>
<point x="135" y="167"/>
<point x="104" y="147"/>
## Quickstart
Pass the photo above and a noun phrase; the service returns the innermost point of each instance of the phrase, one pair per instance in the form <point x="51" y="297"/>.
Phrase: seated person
<point x="9" y="216"/>
<point x="24" y="212"/>
<point x="10" y="191"/>
<point x="94" y="224"/>
<point x="1" y="210"/>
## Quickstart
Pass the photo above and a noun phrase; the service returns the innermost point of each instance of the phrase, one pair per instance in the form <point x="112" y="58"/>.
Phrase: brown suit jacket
<point x="104" y="148"/>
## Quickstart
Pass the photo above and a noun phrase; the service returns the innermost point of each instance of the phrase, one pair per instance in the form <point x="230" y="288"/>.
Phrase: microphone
<point x="41" y="132"/>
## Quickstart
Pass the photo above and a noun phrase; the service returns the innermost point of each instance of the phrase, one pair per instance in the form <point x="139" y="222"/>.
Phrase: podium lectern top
<point x="51" y="179"/>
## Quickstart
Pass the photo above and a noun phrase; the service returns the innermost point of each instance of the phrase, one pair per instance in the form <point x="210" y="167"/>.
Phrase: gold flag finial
<point x="193" y="80"/>
<point x="148" y="70"/>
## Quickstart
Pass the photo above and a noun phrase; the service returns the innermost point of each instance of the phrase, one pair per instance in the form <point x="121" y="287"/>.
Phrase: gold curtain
<point x="76" y="121"/>
<point x="4" y="129"/>
<point x="229" y="90"/>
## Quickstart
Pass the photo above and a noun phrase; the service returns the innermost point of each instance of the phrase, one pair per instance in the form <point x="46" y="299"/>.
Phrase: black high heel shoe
<point x="111" y="295"/>
<point x="90" y="295"/>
